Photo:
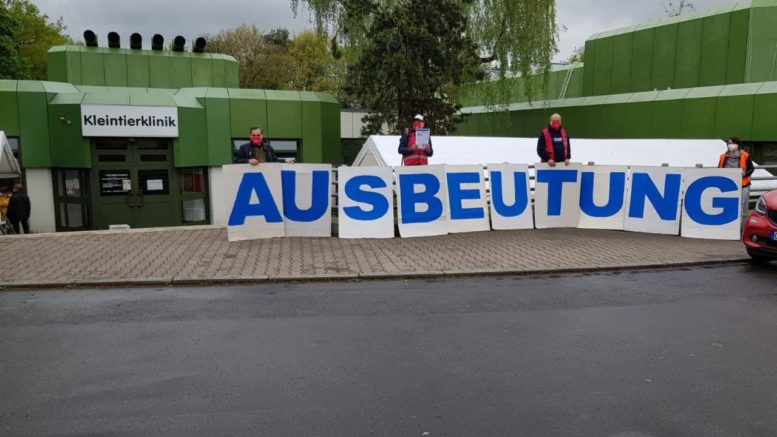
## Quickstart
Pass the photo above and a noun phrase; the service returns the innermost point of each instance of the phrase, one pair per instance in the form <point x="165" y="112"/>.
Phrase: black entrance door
<point x="133" y="183"/>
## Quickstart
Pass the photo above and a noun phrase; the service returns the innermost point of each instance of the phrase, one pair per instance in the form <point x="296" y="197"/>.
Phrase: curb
<point x="434" y="274"/>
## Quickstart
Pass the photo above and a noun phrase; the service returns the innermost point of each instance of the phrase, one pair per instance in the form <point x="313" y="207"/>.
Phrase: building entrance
<point x="134" y="183"/>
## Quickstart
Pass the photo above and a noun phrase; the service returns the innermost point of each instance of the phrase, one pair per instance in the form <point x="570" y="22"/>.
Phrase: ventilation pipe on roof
<point x="199" y="45"/>
<point x="178" y="43"/>
<point x="157" y="42"/>
<point x="90" y="38"/>
<point x="136" y="41"/>
<point x="114" y="41"/>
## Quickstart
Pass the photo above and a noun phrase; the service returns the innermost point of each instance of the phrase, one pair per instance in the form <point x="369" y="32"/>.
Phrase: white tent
<point x="9" y="166"/>
<point x="382" y="151"/>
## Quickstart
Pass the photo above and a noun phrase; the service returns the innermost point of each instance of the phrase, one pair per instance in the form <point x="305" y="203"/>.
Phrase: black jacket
<point x="247" y="152"/>
<point x="19" y="207"/>
<point x="558" y="146"/>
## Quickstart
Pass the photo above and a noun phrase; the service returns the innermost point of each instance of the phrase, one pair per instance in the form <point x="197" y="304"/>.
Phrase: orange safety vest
<point x="549" y="144"/>
<point x="742" y="164"/>
<point x="419" y="157"/>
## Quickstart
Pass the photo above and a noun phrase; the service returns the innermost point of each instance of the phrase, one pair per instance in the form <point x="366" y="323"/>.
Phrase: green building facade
<point x="699" y="76"/>
<point x="83" y="178"/>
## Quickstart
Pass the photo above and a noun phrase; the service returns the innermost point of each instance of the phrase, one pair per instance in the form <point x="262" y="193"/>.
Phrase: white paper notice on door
<point x="155" y="185"/>
<point x="126" y="185"/>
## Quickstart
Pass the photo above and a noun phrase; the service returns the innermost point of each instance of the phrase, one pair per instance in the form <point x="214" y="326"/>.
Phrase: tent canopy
<point x="9" y="166"/>
<point x="382" y="151"/>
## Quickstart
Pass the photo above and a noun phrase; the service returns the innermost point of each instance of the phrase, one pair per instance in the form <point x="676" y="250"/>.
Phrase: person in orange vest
<point x="553" y="144"/>
<point x="413" y="154"/>
<point x="736" y="157"/>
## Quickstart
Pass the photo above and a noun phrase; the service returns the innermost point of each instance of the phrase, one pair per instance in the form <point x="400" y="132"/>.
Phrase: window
<point x="193" y="180"/>
<point x="14" y="143"/>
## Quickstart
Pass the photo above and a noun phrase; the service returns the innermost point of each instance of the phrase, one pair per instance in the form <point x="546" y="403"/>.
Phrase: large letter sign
<point x="252" y="199"/>
<point x="277" y="200"/>
<point x="467" y="199"/>
<point x="510" y="200"/>
<point x="307" y="199"/>
<point x="366" y="202"/>
<point x="602" y="195"/>
<point x="711" y="206"/>
<point x="422" y="200"/>
<point x="556" y="196"/>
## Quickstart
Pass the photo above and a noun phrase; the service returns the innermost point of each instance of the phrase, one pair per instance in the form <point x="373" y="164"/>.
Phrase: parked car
<point x="760" y="230"/>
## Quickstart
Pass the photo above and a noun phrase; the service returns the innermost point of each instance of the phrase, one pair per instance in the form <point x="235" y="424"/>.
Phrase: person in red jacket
<point x="736" y="157"/>
<point x="553" y="145"/>
<point x="413" y="154"/>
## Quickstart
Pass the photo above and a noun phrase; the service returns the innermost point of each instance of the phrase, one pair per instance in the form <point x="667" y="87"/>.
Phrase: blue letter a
<point x="243" y="208"/>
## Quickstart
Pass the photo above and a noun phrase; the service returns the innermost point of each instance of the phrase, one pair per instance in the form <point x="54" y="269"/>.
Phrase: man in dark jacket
<point x="258" y="150"/>
<point x="553" y="145"/>
<point x="19" y="210"/>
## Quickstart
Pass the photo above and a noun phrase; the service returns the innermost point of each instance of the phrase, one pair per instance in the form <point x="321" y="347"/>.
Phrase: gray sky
<point x="581" y="18"/>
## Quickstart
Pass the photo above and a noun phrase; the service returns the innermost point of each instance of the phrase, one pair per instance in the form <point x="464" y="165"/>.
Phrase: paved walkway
<point x="203" y="255"/>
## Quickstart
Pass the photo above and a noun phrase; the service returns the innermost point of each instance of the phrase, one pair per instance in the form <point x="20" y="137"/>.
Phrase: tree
<point x="12" y="66"/>
<point x="407" y="58"/>
<point x="675" y="9"/>
<point x="34" y="36"/>
<point x="263" y="63"/>
<point x="315" y="68"/>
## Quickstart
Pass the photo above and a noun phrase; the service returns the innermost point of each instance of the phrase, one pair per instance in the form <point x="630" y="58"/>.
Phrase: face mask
<point x="256" y="139"/>
<point x="555" y="124"/>
<point x="418" y="124"/>
<point x="732" y="147"/>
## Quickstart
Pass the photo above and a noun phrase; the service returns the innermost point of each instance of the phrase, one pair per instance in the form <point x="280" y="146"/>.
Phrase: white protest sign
<point x="557" y="196"/>
<point x="466" y="199"/>
<point x="422" y="137"/>
<point x="365" y="202"/>
<point x="307" y="199"/>
<point x="422" y="200"/>
<point x="603" y="197"/>
<point x="510" y="197"/>
<point x="653" y="200"/>
<point x="254" y="201"/>
<point x="711" y="207"/>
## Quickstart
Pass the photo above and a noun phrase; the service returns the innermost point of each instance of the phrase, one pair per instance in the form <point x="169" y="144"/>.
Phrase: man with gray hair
<point x="553" y="145"/>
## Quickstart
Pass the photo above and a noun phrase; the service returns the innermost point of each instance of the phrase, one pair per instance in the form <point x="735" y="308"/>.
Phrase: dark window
<point x="110" y="143"/>
<point x="193" y="180"/>
<point x="111" y="158"/>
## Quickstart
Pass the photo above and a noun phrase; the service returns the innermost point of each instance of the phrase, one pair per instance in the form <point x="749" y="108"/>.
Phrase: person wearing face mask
<point x="553" y="144"/>
<point x="413" y="154"/>
<point x="736" y="157"/>
<point x="258" y="150"/>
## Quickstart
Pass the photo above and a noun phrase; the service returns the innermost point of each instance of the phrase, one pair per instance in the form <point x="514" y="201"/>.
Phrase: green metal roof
<point x="685" y="17"/>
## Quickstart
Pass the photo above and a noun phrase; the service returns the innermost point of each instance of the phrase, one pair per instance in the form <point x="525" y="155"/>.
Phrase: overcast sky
<point x="578" y="19"/>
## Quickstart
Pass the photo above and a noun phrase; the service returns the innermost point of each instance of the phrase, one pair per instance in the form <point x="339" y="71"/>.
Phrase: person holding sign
<point x="553" y="145"/>
<point x="415" y="144"/>
<point x="736" y="157"/>
<point x="258" y="150"/>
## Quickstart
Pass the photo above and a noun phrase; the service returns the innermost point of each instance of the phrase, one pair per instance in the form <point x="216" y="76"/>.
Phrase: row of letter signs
<point x="282" y="200"/>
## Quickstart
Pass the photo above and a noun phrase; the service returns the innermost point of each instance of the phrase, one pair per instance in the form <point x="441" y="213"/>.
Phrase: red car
<point x="760" y="231"/>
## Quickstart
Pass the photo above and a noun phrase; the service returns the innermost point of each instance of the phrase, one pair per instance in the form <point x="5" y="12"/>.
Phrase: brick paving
<point x="202" y="255"/>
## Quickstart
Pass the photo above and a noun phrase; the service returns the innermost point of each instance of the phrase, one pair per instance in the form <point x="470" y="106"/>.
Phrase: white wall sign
<point x="510" y="197"/>
<point x="129" y="121"/>
<point x="556" y="196"/>
<point x="603" y="197"/>
<point x="307" y="199"/>
<point x="422" y="200"/>
<point x="254" y="201"/>
<point x="466" y="199"/>
<point x="653" y="200"/>
<point x="365" y="202"/>
<point x="711" y="203"/>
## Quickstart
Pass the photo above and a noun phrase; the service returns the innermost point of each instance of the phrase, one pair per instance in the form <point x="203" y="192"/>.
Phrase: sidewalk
<point x="202" y="255"/>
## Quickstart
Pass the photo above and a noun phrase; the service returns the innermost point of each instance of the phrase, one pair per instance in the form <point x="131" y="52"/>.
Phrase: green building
<point x="698" y="76"/>
<point x="138" y="137"/>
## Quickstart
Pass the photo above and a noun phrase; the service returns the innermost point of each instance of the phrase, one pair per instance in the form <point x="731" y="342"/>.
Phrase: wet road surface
<point x="661" y="353"/>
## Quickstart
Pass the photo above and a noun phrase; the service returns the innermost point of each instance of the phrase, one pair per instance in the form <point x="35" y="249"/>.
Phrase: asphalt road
<point x="672" y="353"/>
